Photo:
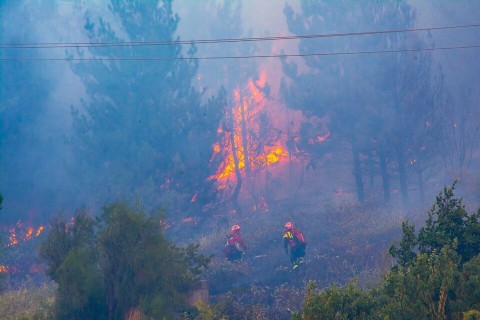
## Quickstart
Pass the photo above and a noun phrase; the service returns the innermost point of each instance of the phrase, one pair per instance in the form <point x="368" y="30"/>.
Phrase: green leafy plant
<point x="121" y="261"/>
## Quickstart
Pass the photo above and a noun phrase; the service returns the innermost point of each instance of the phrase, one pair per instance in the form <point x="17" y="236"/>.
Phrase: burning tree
<point x="249" y="143"/>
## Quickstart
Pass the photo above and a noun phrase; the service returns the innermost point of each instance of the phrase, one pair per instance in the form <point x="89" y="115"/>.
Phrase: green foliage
<point x="207" y="312"/>
<point x="121" y="261"/>
<point x="404" y="253"/>
<point x="468" y="289"/>
<point x="447" y="224"/>
<point x="425" y="288"/>
<point x="472" y="315"/>
<point x="432" y="287"/>
<point x="65" y="236"/>
<point x="442" y="279"/>
<point x="69" y="251"/>
<point x="436" y="277"/>
<point x="347" y="302"/>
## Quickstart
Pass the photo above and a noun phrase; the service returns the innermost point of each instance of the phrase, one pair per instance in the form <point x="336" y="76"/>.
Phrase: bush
<point x="119" y="262"/>
<point x="437" y="275"/>
<point x="347" y="302"/>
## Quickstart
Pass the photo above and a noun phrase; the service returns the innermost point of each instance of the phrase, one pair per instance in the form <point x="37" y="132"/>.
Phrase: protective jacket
<point x="293" y="237"/>
<point x="235" y="246"/>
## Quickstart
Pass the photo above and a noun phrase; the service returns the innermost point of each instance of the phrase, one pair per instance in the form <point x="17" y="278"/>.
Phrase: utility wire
<point x="246" y="57"/>
<point x="213" y="41"/>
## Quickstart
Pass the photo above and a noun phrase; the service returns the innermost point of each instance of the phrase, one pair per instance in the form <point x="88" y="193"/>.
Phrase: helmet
<point x="235" y="227"/>
<point x="288" y="225"/>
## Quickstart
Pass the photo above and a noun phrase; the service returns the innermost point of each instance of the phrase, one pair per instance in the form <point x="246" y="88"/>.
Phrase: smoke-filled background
<point x="333" y="121"/>
<point x="346" y="117"/>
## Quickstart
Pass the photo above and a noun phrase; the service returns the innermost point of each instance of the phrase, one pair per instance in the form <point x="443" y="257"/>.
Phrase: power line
<point x="53" y="45"/>
<point x="246" y="57"/>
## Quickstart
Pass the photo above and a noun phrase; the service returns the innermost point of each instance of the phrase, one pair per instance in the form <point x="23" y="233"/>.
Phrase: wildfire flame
<point x="247" y="145"/>
<point x="16" y="236"/>
<point x="20" y="233"/>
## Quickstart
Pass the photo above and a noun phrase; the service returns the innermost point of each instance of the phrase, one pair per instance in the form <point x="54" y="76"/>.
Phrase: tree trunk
<point x="357" y="172"/>
<point x="402" y="176"/>
<point x="111" y="300"/>
<point x="238" y="174"/>
<point x="371" y="169"/>
<point x="384" y="173"/>
<point x="244" y="135"/>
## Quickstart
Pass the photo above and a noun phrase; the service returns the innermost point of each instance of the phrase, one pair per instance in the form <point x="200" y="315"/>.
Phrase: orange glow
<point x="194" y="198"/>
<point x="17" y="250"/>
<point x="20" y="233"/>
<point x="39" y="231"/>
<point x="324" y="137"/>
<point x="13" y="240"/>
<point x="217" y="148"/>
<point x="246" y="145"/>
<point x="165" y="225"/>
<point x="29" y="233"/>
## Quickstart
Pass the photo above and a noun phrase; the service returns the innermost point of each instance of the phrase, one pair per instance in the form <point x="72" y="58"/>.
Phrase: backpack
<point x="299" y="238"/>
<point x="232" y="246"/>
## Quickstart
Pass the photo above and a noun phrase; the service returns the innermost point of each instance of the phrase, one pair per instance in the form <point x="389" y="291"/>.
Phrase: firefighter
<point x="295" y="240"/>
<point x="235" y="246"/>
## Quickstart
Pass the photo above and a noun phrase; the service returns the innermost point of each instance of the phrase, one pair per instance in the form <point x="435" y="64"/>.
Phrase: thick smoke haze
<point x="52" y="162"/>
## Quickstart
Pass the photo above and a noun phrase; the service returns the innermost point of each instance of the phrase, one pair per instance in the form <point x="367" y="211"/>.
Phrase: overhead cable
<point x="248" y="56"/>
<point x="55" y="45"/>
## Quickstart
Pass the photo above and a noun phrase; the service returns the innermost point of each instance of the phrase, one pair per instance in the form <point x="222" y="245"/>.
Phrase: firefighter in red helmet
<point x="294" y="240"/>
<point x="235" y="246"/>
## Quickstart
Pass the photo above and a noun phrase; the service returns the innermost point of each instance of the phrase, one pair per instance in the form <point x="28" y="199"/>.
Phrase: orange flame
<point x="29" y="233"/>
<point x="17" y="236"/>
<point x="243" y="140"/>
<point x="194" y="198"/>
<point x="39" y="231"/>
<point x="19" y="233"/>
<point x="324" y="137"/>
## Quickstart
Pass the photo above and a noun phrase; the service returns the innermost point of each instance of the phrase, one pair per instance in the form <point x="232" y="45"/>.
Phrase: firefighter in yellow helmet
<point x="294" y="240"/>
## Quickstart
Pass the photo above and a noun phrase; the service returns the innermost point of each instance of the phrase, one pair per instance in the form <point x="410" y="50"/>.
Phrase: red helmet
<point x="288" y="225"/>
<point x="235" y="227"/>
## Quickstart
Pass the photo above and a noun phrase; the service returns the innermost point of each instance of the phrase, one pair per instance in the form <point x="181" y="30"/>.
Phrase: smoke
<point x="39" y="181"/>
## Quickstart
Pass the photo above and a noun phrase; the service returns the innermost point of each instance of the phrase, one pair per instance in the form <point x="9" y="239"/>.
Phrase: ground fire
<point x="19" y="251"/>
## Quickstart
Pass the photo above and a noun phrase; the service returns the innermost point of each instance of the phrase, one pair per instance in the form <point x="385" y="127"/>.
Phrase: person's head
<point x="235" y="228"/>
<point x="289" y="225"/>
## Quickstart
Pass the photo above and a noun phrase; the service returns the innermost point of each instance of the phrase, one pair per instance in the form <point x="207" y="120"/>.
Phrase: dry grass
<point x="28" y="303"/>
